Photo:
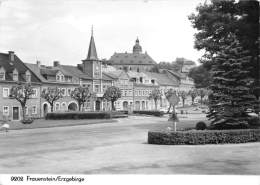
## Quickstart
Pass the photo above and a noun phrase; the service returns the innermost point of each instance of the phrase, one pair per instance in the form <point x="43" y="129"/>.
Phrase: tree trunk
<point x="155" y="101"/>
<point x="79" y="106"/>
<point x="113" y="106"/>
<point x="23" y="112"/>
<point x="183" y="101"/>
<point x="51" y="107"/>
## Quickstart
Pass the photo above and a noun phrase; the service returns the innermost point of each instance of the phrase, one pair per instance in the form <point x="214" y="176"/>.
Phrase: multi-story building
<point x="136" y="61"/>
<point x="12" y="72"/>
<point x="67" y="78"/>
<point x="129" y="72"/>
<point x="122" y="80"/>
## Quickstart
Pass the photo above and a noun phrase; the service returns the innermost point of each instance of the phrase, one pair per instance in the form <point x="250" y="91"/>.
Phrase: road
<point x="118" y="148"/>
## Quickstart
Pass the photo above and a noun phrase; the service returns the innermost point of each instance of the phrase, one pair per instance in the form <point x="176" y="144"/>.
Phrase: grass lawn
<point x="42" y="123"/>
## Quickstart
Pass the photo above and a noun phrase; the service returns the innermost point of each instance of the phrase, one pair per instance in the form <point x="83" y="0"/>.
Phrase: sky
<point x="49" y="30"/>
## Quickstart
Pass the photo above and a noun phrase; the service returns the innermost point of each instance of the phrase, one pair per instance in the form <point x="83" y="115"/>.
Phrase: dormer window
<point x="27" y="76"/>
<point x="60" y="77"/>
<point x="2" y="73"/>
<point x="15" y="75"/>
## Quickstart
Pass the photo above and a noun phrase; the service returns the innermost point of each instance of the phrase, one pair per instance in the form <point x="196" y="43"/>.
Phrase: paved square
<point x="118" y="148"/>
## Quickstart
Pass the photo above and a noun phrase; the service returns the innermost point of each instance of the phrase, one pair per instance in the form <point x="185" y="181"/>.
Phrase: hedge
<point x="204" y="137"/>
<point x="149" y="112"/>
<point x="78" y="115"/>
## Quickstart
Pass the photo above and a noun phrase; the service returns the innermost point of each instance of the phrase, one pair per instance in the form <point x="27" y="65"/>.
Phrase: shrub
<point x="201" y="125"/>
<point x="254" y="121"/>
<point x="149" y="112"/>
<point x="78" y="115"/>
<point x="204" y="137"/>
<point x="27" y="120"/>
<point x="228" y="126"/>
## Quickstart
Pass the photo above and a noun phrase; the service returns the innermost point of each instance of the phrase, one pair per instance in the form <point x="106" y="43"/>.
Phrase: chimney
<point x="56" y="63"/>
<point x="79" y="66"/>
<point x="38" y="63"/>
<point x="11" y="55"/>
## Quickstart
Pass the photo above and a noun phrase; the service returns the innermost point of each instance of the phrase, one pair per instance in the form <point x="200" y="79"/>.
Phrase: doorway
<point x="45" y="109"/>
<point x="15" y="113"/>
<point x="97" y="105"/>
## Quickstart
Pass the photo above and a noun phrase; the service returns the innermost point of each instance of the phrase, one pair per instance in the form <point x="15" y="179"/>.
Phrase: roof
<point x="92" y="52"/>
<point x="17" y="64"/>
<point x="178" y="74"/>
<point x="75" y="71"/>
<point x="131" y="59"/>
<point x="116" y="74"/>
<point x="162" y="79"/>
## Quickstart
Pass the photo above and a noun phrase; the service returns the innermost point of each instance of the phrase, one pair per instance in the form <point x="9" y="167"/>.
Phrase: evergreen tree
<point x="231" y="97"/>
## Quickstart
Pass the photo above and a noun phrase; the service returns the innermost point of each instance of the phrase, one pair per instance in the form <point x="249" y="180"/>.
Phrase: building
<point x="12" y="72"/>
<point x="135" y="61"/>
<point x="122" y="80"/>
<point x="67" y="78"/>
<point x="128" y="71"/>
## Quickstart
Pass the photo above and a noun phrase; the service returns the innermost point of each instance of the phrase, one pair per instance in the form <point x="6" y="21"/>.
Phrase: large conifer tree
<point x="231" y="97"/>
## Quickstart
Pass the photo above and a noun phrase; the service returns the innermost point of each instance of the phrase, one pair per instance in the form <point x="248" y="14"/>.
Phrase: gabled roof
<point x="162" y="79"/>
<point x="131" y="59"/>
<point x="17" y="64"/>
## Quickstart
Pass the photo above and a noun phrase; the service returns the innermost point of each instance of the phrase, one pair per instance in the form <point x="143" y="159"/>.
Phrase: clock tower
<point x="92" y="65"/>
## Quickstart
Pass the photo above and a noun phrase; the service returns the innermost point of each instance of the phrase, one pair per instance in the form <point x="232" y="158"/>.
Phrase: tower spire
<point x="92" y="53"/>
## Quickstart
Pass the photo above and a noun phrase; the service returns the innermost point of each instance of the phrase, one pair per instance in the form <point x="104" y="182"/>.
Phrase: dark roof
<point x="162" y="79"/>
<point x="178" y="74"/>
<point x="131" y="59"/>
<point x="17" y="64"/>
<point x="92" y="52"/>
<point x="75" y="71"/>
<point x="36" y="71"/>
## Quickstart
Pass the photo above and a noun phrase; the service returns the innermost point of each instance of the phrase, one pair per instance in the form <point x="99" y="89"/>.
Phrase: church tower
<point x="137" y="48"/>
<point x="92" y="65"/>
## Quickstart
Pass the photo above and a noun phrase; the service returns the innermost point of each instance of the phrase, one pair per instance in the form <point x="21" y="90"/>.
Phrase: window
<point x="57" y="106"/>
<point x="104" y="87"/>
<point x="140" y="93"/>
<point x="62" y="78"/>
<point x="34" y="109"/>
<point x="2" y="73"/>
<point x="26" y="110"/>
<point x="96" y="88"/>
<point x="143" y="93"/>
<point x="58" y="78"/>
<point x="27" y="76"/>
<point x="64" y="106"/>
<point x="5" y="92"/>
<point x="69" y="91"/>
<point x="6" y="110"/>
<point x="34" y="93"/>
<point x="63" y="92"/>
<point x="15" y="75"/>
<point x="88" y="104"/>
<point x="125" y="92"/>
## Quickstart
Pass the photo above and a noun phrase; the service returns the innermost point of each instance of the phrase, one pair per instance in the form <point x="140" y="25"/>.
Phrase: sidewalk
<point x="42" y="123"/>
